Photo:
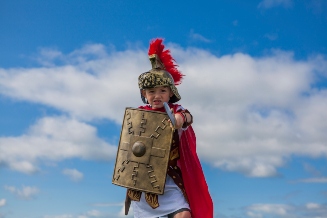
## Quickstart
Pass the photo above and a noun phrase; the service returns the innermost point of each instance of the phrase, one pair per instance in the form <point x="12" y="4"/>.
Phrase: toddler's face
<point x="157" y="96"/>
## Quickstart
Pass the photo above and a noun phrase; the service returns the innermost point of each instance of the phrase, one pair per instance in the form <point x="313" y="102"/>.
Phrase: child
<point x="186" y="193"/>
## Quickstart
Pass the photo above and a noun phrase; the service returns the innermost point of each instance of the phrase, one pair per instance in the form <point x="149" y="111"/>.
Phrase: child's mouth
<point x="156" y="101"/>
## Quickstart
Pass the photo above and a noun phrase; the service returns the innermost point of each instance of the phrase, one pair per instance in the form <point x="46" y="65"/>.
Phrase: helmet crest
<point x="162" y="59"/>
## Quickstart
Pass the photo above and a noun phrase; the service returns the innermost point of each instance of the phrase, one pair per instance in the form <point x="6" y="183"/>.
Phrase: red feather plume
<point x="156" y="47"/>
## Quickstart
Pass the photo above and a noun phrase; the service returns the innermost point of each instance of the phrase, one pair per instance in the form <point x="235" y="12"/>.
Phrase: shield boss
<point x="143" y="151"/>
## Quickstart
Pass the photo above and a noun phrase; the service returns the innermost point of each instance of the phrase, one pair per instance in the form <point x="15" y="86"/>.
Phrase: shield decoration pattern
<point x="143" y="151"/>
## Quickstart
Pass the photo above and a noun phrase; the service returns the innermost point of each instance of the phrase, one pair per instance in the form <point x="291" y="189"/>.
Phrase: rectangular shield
<point x="143" y="151"/>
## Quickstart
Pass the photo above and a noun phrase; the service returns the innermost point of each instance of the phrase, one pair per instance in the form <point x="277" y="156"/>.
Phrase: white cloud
<point x="88" y="214"/>
<point x="26" y="193"/>
<point x="83" y="87"/>
<point x="3" y="202"/>
<point x="278" y="209"/>
<point x="290" y="211"/>
<point x="251" y="114"/>
<point x="53" y="139"/>
<point x="313" y="205"/>
<point x="73" y="174"/>
<point x="275" y="3"/>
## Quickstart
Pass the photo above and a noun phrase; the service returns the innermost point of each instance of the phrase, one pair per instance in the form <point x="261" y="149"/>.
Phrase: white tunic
<point x="172" y="200"/>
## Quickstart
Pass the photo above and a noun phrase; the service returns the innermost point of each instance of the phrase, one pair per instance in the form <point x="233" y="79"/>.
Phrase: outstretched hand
<point x="179" y="120"/>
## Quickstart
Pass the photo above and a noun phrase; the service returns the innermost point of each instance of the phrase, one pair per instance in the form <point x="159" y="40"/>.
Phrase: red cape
<point x="194" y="181"/>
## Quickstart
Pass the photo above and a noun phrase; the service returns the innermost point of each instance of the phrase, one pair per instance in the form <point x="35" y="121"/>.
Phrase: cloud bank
<point x="53" y="139"/>
<point x="251" y="114"/>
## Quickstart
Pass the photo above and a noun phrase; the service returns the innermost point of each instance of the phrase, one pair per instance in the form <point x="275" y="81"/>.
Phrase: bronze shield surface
<point x="143" y="151"/>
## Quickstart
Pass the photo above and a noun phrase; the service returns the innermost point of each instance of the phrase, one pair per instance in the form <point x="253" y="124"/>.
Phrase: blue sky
<point x="256" y="83"/>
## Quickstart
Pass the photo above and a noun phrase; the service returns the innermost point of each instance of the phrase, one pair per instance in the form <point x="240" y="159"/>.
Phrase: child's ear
<point x="143" y="93"/>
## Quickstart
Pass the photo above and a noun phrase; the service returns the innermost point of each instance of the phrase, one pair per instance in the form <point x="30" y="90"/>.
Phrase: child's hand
<point x="179" y="118"/>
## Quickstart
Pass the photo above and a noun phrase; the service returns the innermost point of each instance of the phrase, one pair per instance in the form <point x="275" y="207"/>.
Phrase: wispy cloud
<point x="313" y="180"/>
<point x="265" y="4"/>
<point x="271" y="36"/>
<point x="94" y="213"/>
<point x="312" y="205"/>
<point x="2" y="202"/>
<point x="108" y="204"/>
<point x="312" y="170"/>
<point x="88" y="214"/>
<point x="62" y="216"/>
<point x="198" y="37"/>
<point x="122" y="210"/>
<point x="283" y="210"/>
<point x="258" y="210"/>
<point x="73" y="174"/>
<point x="26" y="192"/>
